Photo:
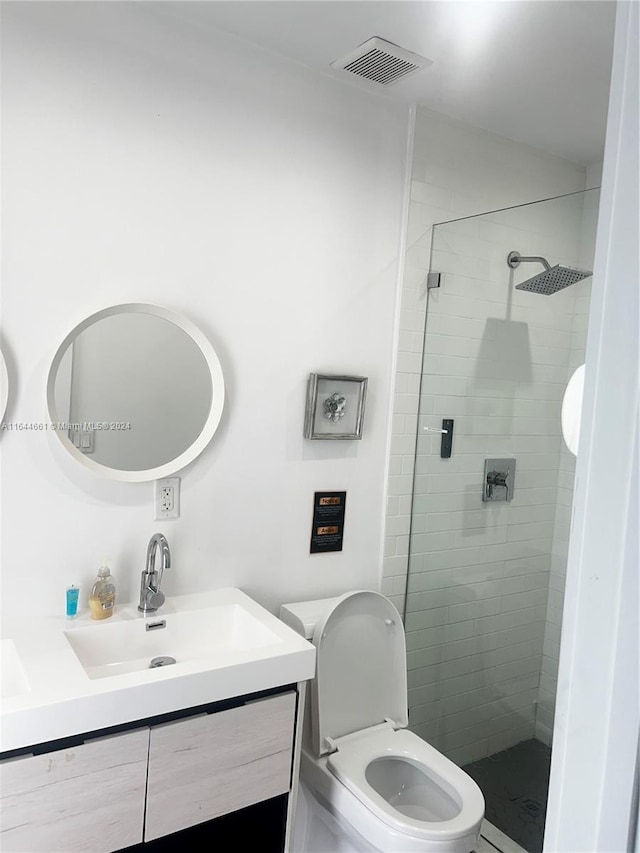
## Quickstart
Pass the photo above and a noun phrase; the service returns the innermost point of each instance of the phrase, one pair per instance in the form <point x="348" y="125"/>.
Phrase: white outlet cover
<point x="167" y="483"/>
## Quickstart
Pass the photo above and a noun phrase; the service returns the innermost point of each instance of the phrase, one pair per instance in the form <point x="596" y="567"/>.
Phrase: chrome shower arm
<point x="538" y="260"/>
<point x="514" y="259"/>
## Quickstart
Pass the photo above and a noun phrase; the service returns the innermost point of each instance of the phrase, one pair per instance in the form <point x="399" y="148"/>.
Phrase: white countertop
<point x="59" y="699"/>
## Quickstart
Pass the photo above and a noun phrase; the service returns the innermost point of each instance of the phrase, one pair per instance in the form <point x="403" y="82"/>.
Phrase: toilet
<point x="366" y="782"/>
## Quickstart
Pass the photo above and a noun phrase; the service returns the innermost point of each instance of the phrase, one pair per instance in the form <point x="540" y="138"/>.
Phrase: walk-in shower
<point x="486" y="578"/>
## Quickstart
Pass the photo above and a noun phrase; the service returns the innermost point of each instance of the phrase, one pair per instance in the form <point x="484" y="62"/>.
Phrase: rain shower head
<point x="551" y="280"/>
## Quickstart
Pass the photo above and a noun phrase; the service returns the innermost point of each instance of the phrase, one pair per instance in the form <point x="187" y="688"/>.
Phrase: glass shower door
<point x="486" y="577"/>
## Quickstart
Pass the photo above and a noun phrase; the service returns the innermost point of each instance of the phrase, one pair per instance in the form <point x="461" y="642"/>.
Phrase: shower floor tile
<point x="515" y="783"/>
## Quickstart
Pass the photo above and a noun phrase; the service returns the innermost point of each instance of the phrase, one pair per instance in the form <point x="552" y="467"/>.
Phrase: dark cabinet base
<point x="260" y="827"/>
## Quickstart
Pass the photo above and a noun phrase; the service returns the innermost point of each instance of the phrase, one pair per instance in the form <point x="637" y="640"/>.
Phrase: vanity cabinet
<point x="119" y="790"/>
<point x="88" y="798"/>
<point x="213" y="764"/>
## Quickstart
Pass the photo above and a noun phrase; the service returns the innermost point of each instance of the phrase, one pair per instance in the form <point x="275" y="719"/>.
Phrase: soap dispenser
<point x="103" y="594"/>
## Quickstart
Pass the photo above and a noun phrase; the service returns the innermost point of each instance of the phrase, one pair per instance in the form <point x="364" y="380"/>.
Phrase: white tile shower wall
<point x="458" y="170"/>
<point x="476" y="615"/>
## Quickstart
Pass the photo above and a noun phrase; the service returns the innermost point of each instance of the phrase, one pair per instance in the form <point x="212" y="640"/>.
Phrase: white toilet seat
<point x="451" y="789"/>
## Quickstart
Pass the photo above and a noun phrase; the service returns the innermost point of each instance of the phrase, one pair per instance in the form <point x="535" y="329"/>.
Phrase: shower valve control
<point x="499" y="475"/>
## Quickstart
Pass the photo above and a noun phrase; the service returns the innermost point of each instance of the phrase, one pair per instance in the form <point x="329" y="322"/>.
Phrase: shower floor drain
<point x="529" y="805"/>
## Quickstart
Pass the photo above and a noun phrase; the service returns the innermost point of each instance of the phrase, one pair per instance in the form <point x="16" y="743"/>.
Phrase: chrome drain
<point x="163" y="660"/>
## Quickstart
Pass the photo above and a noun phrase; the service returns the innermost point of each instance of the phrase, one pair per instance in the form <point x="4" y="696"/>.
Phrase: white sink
<point x="62" y="678"/>
<point x="13" y="681"/>
<point x="216" y="636"/>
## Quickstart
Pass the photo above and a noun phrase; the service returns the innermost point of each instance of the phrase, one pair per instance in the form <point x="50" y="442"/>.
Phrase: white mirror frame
<point x="211" y="424"/>
<point x="4" y="386"/>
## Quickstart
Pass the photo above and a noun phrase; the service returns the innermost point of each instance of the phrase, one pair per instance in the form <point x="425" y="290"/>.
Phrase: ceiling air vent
<point x="381" y="62"/>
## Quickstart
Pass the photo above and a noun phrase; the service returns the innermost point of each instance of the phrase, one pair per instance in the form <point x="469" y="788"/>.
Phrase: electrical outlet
<point x="167" y="498"/>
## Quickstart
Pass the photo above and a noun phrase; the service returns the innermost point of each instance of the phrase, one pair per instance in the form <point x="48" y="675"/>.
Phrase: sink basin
<point x="62" y="678"/>
<point x="214" y="636"/>
<point x="13" y="681"/>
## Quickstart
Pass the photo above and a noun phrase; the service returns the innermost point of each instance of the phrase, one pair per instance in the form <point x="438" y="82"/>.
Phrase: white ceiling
<point x="536" y="71"/>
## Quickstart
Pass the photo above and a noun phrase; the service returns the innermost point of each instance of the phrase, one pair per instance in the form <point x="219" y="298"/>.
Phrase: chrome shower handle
<point x="498" y="478"/>
<point x="499" y="472"/>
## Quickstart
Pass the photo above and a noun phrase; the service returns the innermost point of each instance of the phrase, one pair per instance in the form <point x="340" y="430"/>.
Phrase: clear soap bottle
<point x="103" y="594"/>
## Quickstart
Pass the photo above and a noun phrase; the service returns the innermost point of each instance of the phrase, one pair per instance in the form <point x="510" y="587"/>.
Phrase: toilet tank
<point x="303" y="616"/>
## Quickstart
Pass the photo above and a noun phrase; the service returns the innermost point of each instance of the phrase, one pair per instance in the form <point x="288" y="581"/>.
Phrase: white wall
<point x="148" y="162"/>
<point x="593" y="792"/>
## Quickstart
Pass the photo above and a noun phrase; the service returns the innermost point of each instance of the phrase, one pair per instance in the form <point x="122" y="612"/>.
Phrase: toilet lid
<point x="361" y="676"/>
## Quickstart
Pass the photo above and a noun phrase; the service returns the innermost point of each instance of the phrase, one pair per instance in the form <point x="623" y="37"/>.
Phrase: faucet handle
<point x="154" y="599"/>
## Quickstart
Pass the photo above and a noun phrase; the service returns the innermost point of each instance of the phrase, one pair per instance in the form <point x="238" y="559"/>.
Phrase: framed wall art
<point x="335" y="406"/>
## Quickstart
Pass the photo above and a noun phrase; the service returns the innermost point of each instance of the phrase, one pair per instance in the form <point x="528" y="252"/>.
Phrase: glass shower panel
<point x="486" y="579"/>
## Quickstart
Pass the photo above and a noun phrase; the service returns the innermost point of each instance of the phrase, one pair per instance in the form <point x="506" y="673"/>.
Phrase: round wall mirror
<point x="135" y="392"/>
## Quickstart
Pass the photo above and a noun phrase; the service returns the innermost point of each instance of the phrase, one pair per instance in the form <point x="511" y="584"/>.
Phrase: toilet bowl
<point x="366" y="781"/>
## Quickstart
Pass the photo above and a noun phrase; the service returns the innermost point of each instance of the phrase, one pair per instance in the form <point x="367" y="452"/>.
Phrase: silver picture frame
<point x="335" y="407"/>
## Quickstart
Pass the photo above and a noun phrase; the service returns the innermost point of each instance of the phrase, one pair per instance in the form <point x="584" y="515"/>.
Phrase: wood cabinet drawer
<point x="85" y="799"/>
<point x="210" y="765"/>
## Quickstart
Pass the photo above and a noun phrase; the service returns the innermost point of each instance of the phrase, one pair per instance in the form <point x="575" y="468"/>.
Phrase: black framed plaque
<point x="328" y="522"/>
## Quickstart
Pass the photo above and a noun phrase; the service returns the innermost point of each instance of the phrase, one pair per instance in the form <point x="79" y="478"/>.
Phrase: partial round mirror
<point x="135" y="392"/>
<point x="4" y="386"/>
<point x="572" y="410"/>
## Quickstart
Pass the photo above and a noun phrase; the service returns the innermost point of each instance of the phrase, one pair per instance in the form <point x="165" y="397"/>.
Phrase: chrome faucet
<point x="150" y="596"/>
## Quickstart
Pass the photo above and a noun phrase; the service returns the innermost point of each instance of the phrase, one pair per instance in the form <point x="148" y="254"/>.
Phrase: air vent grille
<point x="380" y="67"/>
<point x="381" y="62"/>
